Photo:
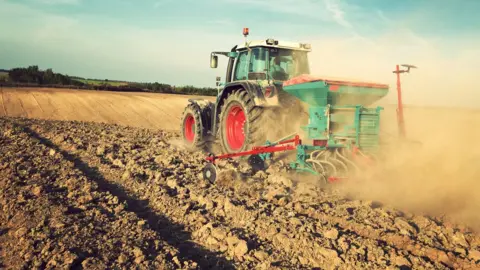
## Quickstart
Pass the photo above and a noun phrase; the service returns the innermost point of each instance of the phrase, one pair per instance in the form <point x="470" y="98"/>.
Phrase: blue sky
<point x="170" y="40"/>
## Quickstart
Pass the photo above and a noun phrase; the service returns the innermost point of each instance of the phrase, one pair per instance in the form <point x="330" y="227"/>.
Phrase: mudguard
<point x="252" y="87"/>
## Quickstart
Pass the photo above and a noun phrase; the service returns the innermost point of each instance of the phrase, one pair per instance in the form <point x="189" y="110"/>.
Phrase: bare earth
<point x="85" y="195"/>
<point x="147" y="110"/>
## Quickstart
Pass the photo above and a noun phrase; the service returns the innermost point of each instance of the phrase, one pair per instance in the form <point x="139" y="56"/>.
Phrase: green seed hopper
<point x="338" y="112"/>
<point x="321" y="92"/>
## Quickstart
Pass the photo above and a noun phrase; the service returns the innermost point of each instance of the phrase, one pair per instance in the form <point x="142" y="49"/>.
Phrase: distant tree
<point x="48" y="76"/>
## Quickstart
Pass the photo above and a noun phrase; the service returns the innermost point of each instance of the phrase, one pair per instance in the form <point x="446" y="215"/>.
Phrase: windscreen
<point x="286" y="64"/>
<point x="281" y="64"/>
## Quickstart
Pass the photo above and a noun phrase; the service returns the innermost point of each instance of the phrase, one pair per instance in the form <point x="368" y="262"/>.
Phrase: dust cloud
<point x="439" y="173"/>
<point x="435" y="172"/>
<point x="287" y="119"/>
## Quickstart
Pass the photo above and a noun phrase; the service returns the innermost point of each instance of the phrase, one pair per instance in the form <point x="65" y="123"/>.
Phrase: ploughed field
<point x="98" y="196"/>
<point x="105" y="196"/>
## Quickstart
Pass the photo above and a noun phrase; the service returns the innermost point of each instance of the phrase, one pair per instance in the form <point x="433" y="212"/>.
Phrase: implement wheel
<point x="210" y="173"/>
<point x="239" y="126"/>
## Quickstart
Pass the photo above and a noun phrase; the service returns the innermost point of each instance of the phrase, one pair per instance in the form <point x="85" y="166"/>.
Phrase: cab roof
<point x="276" y="44"/>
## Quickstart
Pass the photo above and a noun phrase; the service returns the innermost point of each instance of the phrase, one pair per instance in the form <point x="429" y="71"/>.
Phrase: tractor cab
<point x="265" y="60"/>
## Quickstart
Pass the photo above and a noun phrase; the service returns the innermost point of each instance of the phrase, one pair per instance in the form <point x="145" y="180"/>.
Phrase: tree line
<point x="33" y="76"/>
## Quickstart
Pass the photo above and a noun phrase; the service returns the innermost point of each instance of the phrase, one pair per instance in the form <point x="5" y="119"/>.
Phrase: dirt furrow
<point x="161" y="108"/>
<point x="137" y="112"/>
<point x="49" y="111"/>
<point x="12" y="104"/>
<point x="99" y="107"/>
<point x="36" y="101"/>
<point x="29" y="104"/>
<point x="93" y="114"/>
<point x="59" y="107"/>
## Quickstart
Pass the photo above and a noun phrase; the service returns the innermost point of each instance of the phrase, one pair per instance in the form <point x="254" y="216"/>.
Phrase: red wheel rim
<point x="189" y="128"/>
<point x="235" y="127"/>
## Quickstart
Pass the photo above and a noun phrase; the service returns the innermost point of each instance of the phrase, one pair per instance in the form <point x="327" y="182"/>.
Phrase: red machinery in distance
<point x="400" y="116"/>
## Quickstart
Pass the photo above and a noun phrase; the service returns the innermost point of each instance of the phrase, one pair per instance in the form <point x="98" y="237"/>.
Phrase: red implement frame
<point x="286" y="145"/>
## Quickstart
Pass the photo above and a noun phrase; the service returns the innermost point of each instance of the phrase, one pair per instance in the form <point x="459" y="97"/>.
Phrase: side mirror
<point x="213" y="61"/>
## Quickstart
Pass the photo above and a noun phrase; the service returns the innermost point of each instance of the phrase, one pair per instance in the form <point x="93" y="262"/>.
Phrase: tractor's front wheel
<point x="238" y="126"/>
<point x="192" y="128"/>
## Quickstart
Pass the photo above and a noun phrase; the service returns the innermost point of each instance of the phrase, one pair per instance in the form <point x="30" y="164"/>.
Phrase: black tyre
<point x="210" y="173"/>
<point x="239" y="123"/>
<point x="192" y="127"/>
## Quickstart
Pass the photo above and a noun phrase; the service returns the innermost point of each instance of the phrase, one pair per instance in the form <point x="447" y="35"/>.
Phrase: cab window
<point x="257" y="60"/>
<point x="241" y="67"/>
<point x="286" y="64"/>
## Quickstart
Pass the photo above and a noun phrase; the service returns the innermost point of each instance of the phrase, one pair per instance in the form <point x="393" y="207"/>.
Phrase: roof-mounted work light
<point x="246" y="31"/>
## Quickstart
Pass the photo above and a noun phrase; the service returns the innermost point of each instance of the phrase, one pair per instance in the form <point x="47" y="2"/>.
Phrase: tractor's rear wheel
<point x="239" y="128"/>
<point x="192" y="127"/>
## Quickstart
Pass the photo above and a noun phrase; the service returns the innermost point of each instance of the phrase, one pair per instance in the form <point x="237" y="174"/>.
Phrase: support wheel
<point x="210" y="173"/>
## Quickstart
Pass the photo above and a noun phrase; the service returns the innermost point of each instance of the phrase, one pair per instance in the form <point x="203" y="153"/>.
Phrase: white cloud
<point x="337" y="13"/>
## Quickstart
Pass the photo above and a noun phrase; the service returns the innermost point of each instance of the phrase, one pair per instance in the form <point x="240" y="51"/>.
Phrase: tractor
<point x="251" y="99"/>
<point x="264" y="80"/>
